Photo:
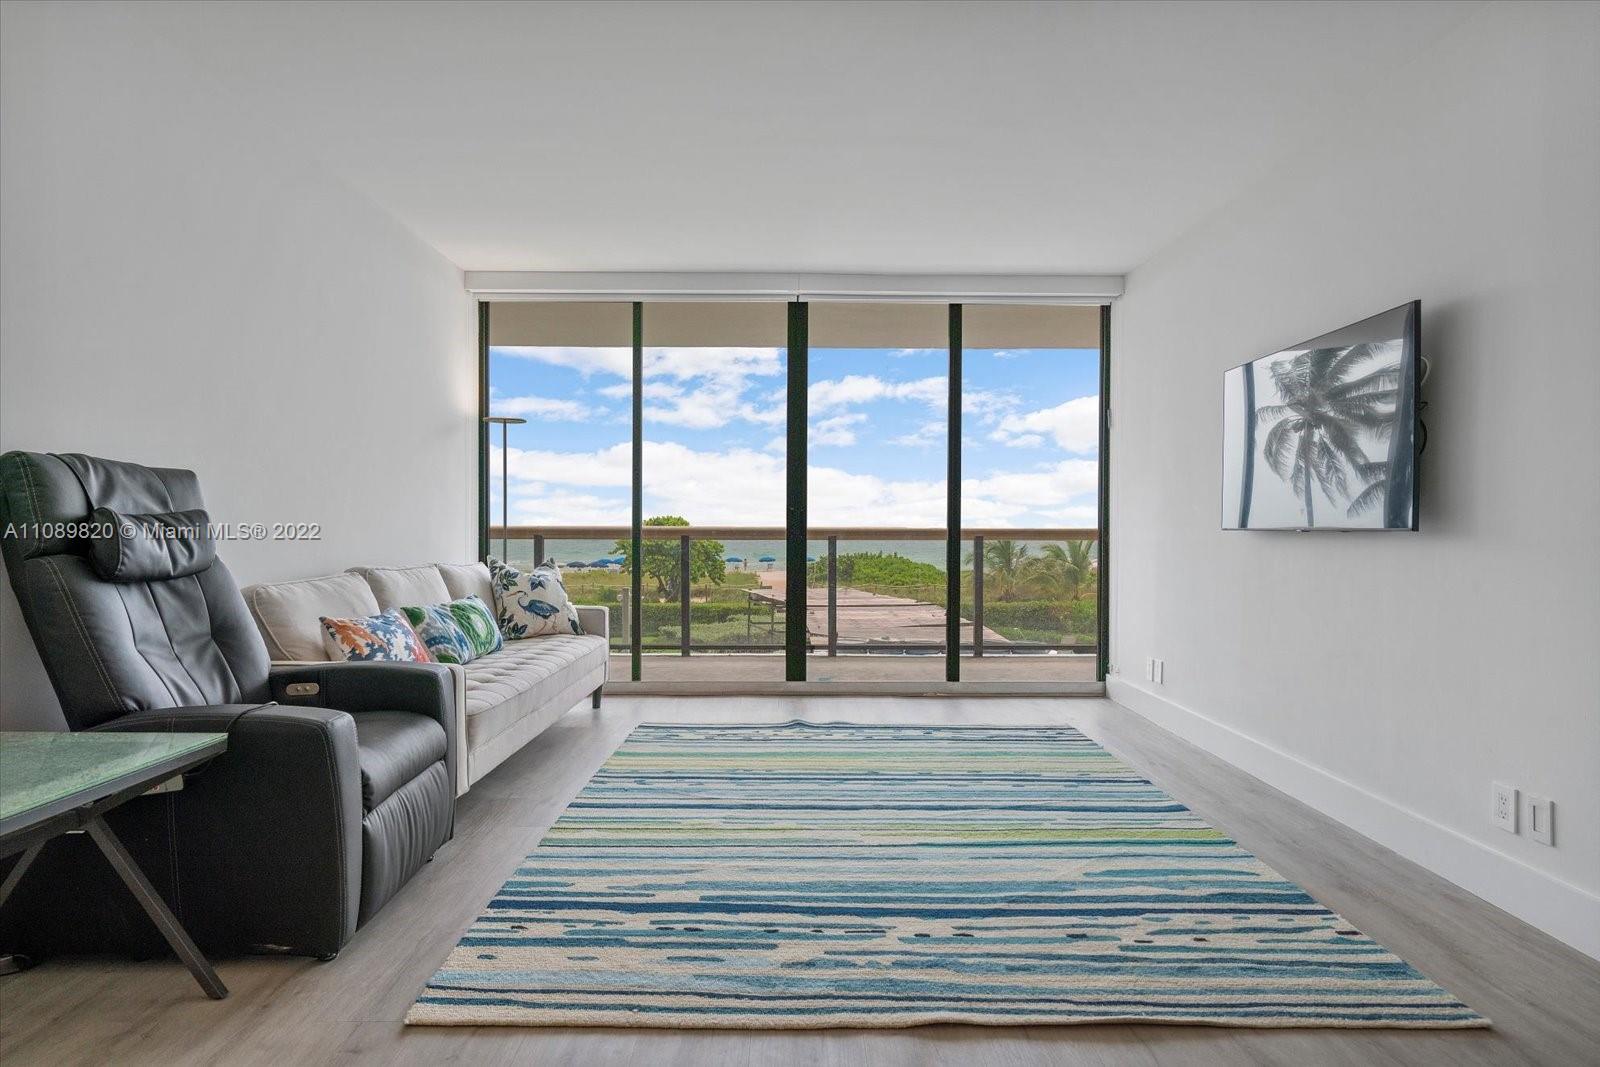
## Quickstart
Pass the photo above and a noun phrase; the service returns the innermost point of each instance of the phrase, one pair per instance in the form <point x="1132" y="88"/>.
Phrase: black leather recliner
<point x="310" y="821"/>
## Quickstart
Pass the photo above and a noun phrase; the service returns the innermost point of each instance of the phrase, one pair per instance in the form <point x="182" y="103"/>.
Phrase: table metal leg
<point x="18" y="871"/>
<point x="155" y="907"/>
<point x="11" y="962"/>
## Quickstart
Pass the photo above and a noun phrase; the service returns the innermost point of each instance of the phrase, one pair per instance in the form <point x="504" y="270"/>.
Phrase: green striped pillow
<point x="478" y="623"/>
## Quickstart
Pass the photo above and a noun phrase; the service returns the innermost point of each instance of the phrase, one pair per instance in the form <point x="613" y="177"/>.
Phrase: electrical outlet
<point x="1503" y="807"/>
<point x="1150" y="670"/>
<point x="1541" y="819"/>
<point x="1161" y="672"/>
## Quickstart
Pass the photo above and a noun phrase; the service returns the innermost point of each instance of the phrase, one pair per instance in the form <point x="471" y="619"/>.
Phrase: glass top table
<point x="44" y="774"/>
<point x="57" y="783"/>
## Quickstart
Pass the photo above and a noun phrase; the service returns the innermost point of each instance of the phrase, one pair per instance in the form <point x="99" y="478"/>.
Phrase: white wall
<point x="177" y="290"/>
<point x="1388" y="678"/>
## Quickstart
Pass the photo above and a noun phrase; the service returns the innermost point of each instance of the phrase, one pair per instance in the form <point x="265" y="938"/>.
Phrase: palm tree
<point x="1063" y="569"/>
<point x="1002" y="563"/>
<point x="1314" y="441"/>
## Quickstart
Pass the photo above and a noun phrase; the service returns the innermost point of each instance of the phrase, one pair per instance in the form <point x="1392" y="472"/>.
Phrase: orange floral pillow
<point x="387" y="636"/>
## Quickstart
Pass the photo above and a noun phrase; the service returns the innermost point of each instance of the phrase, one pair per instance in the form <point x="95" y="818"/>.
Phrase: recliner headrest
<point x="46" y="499"/>
<point x="150" y="548"/>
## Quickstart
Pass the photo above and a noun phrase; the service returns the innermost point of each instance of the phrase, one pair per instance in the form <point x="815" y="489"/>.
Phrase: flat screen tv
<point x="1324" y="435"/>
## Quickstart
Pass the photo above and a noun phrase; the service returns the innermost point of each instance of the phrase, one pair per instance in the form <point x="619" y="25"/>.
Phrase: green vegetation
<point x="1038" y="594"/>
<point x="864" y="570"/>
<point x="661" y="562"/>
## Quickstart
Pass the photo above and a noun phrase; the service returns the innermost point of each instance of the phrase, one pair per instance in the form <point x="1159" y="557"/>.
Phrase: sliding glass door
<point x="713" y="477"/>
<point x="567" y="369"/>
<point x="864" y="494"/>
<point x="877" y="496"/>
<point x="1029" y="496"/>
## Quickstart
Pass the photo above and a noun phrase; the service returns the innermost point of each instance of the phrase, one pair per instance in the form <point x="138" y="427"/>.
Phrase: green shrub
<point x="861" y="569"/>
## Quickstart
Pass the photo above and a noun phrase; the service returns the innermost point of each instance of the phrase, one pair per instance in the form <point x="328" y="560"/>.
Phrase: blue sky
<point x="714" y="435"/>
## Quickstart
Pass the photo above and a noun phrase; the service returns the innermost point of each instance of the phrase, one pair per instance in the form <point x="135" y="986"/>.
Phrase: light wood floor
<point x="1543" y="997"/>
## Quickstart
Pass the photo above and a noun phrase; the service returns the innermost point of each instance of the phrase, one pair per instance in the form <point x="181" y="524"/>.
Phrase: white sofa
<point x="508" y="697"/>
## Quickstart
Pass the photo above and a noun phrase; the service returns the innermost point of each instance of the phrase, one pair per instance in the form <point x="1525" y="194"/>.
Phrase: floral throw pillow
<point x="386" y="636"/>
<point x="440" y="633"/>
<point x="478" y="623"/>
<point x="532" y="603"/>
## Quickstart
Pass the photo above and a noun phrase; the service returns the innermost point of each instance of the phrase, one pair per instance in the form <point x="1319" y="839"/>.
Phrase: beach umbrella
<point x="767" y="559"/>
<point x="600" y="563"/>
<point x="577" y="564"/>
<point x="732" y="559"/>
<point x="811" y="559"/>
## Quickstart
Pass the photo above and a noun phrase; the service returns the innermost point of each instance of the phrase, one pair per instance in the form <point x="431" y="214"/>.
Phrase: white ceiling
<point x="894" y="137"/>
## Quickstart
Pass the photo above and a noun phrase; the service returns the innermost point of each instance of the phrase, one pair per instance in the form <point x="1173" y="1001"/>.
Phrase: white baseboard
<point x="1565" y="911"/>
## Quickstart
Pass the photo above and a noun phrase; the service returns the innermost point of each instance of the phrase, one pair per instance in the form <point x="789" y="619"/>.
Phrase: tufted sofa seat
<point x="509" y="697"/>
<point x="513" y="694"/>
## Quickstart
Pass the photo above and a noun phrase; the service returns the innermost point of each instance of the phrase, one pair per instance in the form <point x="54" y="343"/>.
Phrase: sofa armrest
<point x="595" y="619"/>
<point x="421" y="688"/>
<point x="265" y="838"/>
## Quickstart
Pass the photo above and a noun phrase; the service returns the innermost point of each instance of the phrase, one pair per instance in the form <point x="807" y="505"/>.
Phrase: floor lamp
<point x="504" y="422"/>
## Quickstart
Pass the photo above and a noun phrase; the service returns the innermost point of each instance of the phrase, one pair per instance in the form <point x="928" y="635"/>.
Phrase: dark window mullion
<point x="636" y="576"/>
<point x="483" y="430"/>
<point x="794" y="601"/>
<point x="1103" y="579"/>
<point x="952" y="550"/>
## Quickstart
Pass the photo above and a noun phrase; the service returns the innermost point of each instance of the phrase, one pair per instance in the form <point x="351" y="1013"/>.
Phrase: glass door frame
<point x="796" y="531"/>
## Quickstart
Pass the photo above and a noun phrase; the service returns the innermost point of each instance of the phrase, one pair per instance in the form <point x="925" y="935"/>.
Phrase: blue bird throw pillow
<point x="532" y="603"/>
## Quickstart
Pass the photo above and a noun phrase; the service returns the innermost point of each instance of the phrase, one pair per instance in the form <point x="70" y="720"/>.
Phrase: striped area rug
<point x="804" y="875"/>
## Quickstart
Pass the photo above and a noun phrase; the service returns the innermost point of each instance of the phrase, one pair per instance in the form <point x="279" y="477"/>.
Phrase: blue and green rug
<point x="803" y="875"/>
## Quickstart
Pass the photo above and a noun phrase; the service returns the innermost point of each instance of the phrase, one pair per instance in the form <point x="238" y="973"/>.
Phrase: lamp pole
<point x="505" y="422"/>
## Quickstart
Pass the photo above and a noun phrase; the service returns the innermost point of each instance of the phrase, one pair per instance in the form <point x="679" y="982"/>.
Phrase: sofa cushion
<point x="440" y="632"/>
<point x="506" y="686"/>
<point x="398" y="586"/>
<point x="289" y="614"/>
<point x="533" y="602"/>
<point x="467" y="579"/>
<point x="386" y="636"/>
<point x="476" y="620"/>
<point x="392" y="748"/>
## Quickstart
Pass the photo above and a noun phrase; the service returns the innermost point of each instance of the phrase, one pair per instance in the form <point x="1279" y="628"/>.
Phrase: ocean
<point x="567" y="552"/>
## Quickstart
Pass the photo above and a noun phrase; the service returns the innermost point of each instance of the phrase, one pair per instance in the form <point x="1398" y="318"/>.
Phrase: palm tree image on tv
<point x="1331" y="400"/>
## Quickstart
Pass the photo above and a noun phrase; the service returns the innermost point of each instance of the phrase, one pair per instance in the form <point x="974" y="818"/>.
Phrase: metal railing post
<point x="833" y="596"/>
<point x="977" y="595"/>
<point x="538" y="549"/>
<point x="684" y="570"/>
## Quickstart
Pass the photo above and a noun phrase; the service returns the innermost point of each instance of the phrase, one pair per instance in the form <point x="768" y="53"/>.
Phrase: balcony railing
<point x="879" y="618"/>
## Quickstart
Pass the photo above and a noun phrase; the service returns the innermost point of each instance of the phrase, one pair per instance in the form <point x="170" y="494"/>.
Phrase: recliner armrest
<point x="267" y="836"/>
<point x="421" y="688"/>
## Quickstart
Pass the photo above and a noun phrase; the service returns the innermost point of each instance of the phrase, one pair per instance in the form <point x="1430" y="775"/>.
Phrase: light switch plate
<point x="1503" y="807"/>
<point x="1541" y="819"/>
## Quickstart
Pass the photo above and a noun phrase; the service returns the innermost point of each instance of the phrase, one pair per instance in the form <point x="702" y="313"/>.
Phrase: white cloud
<point x="542" y="407"/>
<point x="1074" y="426"/>
<point x="746" y="487"/>
<point x="902" y="353"/>
<point x="837" y="429"/>
<point x="717" y="363"/>
<point x="855" y="389"/>
<point x="987" y="406"/>
<point x="699" y="388"/>
<point x="586" y="361"/>
<point x="929" y="433"/>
